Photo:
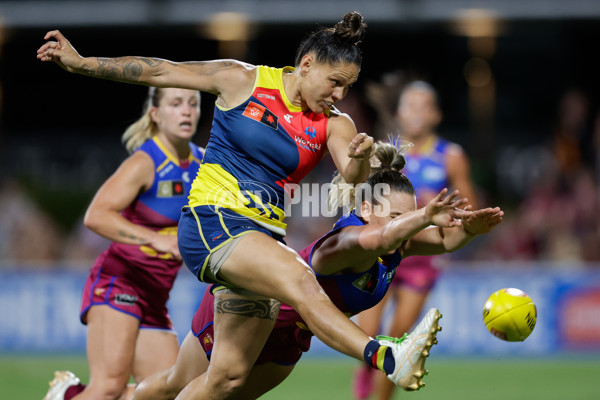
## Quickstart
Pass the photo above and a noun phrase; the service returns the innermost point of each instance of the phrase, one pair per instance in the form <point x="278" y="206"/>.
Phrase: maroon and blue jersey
<point x="146" y="276"/>
<point x="355" y="292"/>
<point x="256" y="148"/>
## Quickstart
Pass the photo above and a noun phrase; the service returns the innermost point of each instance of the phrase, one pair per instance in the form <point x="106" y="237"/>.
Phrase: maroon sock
<point x="73" y="391"/>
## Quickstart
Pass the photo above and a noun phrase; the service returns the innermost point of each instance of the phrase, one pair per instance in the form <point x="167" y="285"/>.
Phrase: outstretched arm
<point x="356" y="248"/>
<point x="229" y="79"/>
<point x="444" y="240"/>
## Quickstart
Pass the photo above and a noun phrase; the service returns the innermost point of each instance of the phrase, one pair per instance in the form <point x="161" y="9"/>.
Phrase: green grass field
<point x="26" y="378"/>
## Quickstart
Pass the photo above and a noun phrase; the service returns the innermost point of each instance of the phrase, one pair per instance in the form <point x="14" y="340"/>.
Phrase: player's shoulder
<point x="339" y="119"/>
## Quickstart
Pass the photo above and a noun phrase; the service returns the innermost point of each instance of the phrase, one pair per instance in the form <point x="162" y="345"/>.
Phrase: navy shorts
<point x="205" y="229"/>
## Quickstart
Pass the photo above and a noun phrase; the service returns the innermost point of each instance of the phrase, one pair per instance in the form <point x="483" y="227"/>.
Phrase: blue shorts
<point x="203" y="230"/>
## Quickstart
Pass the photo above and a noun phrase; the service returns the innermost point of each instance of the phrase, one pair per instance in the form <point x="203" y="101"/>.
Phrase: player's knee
<point x="307" y="293"/>
<point x="228" y="381"/>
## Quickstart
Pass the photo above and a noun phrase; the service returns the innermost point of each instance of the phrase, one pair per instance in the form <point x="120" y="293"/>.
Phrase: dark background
<point x="60" y="132"/>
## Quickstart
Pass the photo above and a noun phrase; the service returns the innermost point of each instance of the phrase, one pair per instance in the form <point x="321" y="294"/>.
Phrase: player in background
<point x="432" y="164"/>
<point x="124" y="301"/>
<point x="354" y="263"/>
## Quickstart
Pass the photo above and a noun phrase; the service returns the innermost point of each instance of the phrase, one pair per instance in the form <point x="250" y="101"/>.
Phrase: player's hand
<point x="59" y="51"/>
<point x="443" y="210"/>
<point x="361" y="146"/>
<point x="166" y="244"/>
<point x="481" y="221"/>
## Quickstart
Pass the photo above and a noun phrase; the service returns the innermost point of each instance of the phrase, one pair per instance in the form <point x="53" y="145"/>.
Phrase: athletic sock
<point x="380" y="357"/>
<point x="73" y="391"/>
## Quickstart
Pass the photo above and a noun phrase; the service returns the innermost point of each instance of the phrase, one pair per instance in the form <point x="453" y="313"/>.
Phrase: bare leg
<point x="156" y="350"/>
<point x="111" y="342"/>
<point x="166" y="385"/>
<point x="242" y="324"/>
<point x="264" y="266"/>
<point x="262" y="378"/>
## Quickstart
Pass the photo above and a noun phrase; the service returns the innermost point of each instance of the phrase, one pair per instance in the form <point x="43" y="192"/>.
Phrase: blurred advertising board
<point x="39" y="310"/>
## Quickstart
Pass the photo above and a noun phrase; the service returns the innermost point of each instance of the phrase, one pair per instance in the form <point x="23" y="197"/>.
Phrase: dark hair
<point x="337" y="44"/>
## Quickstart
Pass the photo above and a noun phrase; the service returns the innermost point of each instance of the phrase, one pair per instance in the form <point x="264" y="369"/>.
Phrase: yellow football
<point x="510" y="314"/>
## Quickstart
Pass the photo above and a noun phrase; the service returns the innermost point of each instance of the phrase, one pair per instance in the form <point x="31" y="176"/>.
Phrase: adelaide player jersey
<point x="256" y="148"/>
<point x="426" y="169"/>
<point x="158" y="209"/>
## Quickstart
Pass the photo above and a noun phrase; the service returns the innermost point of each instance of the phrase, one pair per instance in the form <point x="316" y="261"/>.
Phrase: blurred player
<point x="354" y="263"/>
<point x="137" y="208"/>
<point x="431" y="164"/>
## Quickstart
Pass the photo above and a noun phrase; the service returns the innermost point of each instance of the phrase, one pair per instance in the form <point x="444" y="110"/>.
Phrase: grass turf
<point x="26" y="378"/>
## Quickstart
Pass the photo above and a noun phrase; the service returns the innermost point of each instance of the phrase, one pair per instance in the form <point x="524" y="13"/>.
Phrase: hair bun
<point x="351" y="28"/>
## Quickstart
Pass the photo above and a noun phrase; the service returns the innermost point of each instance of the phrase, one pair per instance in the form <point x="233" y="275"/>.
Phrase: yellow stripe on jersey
<point x="214" y="186"/>
<point x="168" y="154"/>
<point x="271" y="78"/>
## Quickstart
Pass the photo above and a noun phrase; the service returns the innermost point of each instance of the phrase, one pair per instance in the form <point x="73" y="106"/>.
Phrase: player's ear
<point x="154" y="115"/>
<point x="366" y="210"/>
<point x="306" y="63"/>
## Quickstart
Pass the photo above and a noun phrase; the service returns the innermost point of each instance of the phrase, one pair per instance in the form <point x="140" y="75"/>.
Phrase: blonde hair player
<point x="124" y="301"/>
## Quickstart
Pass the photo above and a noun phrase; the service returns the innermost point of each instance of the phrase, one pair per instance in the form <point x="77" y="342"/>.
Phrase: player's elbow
<point x="92" y="220"/>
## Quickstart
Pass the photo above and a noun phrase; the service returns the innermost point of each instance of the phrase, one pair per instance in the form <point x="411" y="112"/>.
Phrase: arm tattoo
<point x="132" y="237"/>
<point x="122" y="69"/>
<point x="266" y="309"/>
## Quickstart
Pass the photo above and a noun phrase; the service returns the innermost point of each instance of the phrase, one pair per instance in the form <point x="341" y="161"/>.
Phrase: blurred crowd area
<point x="549" y="191"/>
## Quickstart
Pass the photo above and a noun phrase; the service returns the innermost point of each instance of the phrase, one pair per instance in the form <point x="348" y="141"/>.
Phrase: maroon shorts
<point x="146" y="304"/>
<point x="418" y="272"/>
<point x="288" y="340"/>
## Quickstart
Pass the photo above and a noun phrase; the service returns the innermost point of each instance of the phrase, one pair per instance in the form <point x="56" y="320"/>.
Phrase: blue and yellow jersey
<point x="158" y="208"/>
<point x="426" y="169"/>
<point x="255" y="149"/>
<point x="355" y="292"/>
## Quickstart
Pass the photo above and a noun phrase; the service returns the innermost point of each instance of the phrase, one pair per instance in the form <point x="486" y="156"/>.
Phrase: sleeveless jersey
<point x="355" y="292"/>
<point x="426" y="169"/>
<point x="157" y="209"/>
<point x="255" y="149"/>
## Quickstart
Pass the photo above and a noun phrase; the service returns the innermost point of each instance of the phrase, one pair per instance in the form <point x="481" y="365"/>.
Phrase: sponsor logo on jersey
<point x="265" y="96"/>
<point x="169" y="188"/>
<point x="261" y="114"/>
<point x="165" y="170"/>
<point x="288" y="118"/>
<point x="310" y="131"/>
<point x="125" y="299"/>
<point x="208" y="339"/>
<point x="366" y="283"/>
<point x="217" y="235"/>
<point x="307" y="145"/>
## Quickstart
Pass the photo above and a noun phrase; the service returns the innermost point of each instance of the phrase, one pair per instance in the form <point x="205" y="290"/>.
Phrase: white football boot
<point x="59" y="385"/>
<point x="411" y="351"/>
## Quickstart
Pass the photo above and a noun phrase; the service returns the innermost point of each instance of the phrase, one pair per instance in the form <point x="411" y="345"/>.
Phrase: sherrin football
<point x="510" y="314"/>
